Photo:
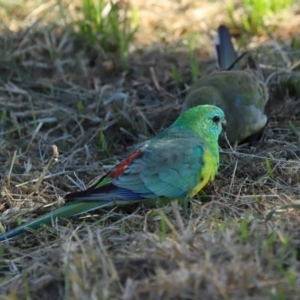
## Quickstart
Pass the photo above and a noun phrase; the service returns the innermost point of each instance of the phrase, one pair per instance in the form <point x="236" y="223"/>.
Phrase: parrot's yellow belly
<point x="207" y="172"/>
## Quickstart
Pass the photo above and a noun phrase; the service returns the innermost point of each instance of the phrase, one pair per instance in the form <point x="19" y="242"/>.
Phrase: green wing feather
<point x="66" y="211"/>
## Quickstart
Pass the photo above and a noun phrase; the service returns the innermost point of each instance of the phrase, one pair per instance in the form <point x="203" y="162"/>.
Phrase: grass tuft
<point x="253" y="14"/>
<point x="110" y="24"/>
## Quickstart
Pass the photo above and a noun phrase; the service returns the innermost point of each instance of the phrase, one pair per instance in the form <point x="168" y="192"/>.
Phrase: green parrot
<point x="175" y="164"/>
<point x="241" y="94"/>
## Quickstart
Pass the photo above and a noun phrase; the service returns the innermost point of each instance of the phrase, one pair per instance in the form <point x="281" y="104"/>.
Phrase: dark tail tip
<point x="71" y="197"/>
<point x="89" y="193"/>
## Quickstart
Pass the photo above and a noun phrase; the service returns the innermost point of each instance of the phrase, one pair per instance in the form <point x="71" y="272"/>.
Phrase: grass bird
<point x="241" y="94"/>
<point x="177" y="163"/>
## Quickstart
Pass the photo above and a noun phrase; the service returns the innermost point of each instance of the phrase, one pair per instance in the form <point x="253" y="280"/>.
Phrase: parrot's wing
<point x="168" y="166"/>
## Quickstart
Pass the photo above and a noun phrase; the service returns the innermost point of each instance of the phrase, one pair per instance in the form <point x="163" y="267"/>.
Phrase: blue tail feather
<point x="106" y="193"/>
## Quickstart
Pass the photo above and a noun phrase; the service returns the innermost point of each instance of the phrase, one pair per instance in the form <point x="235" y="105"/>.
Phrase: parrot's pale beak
<point x="224" y="124"/>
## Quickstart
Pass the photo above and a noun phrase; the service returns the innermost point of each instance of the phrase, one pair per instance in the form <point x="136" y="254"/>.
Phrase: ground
<point x="57" y="89"/>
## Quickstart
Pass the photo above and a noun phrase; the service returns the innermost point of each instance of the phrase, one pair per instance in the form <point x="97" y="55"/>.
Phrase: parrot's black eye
<point x="216" y="119"/>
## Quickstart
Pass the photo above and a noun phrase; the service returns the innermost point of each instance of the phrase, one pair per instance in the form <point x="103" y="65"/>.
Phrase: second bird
<point x="242" y="94"/>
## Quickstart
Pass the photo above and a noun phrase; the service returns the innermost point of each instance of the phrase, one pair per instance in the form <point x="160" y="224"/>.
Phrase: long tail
<point x="102" y="194"/>
<point x="69" y="210"/>
<point x="226" y="55"/>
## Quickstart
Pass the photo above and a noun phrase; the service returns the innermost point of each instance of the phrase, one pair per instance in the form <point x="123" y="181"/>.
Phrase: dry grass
<point x="57" y="90"/>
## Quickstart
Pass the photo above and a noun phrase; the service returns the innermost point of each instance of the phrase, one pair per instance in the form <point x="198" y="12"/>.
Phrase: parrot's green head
<point x="206" y="121"/>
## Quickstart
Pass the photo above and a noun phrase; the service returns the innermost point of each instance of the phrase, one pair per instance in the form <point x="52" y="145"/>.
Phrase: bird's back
<point x="241" y="94"/>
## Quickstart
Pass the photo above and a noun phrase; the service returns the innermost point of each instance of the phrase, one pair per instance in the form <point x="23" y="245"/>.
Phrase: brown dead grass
<point x="55" y="89"/>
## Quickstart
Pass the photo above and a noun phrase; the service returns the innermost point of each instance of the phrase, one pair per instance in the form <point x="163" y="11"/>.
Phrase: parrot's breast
<point x="207" y="172"/>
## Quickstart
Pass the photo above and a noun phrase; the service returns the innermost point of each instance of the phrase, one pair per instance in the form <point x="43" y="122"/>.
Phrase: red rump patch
<point x="120" y="168"/>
